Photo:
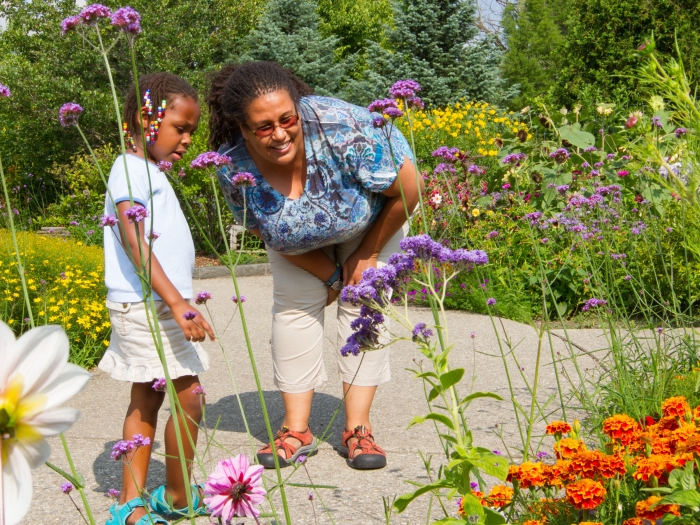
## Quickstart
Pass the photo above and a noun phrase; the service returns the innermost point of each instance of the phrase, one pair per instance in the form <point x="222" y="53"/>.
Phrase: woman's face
<point x="270" y="112"/>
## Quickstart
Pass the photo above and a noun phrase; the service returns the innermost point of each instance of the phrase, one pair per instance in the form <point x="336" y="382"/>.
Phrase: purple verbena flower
<point x="94" y="12"/>
<point x="68" y="114"/>
<point x="610" y="156"/>
<point x="113" y="493"/>
<point x="4" y="91"/>
<point x="202" y="298"/>
<point x="210" y="158"/>
<point x="560" y="156"/>
<point x="152" y="236"/>
<point x="121" y="448"/>
<point x="165" y="166"/>
<point x="199" y="391"/>
<point x="108" y="220"/>
<point x="444" y="167"/>
<point x="159" y="385"/>
<point x="563" y="188"/>
<point x="70" y="23"/>
<point x="136" y="213"/>
<point x="447" y="154"/>
<point x="655" y="122"/>
<point x="628" y="277"/>
<point x="680" y="132"/>
<point x="128" y="19"/>
<point x="379" y="122"/>
<point x="404" y="89"/>
<point x="414" y="102"/>
<point x="590" y="149"/>
<point x="421" y="332"/>
<point x="393" y="112"/>
<point x="380" y="106"/>
<point x="189" y="315"/>
<point x="492" y="234"/>
<point x="514" y="158"/>
<point x="140" y="441"/>
<point x="593" y="303"/>
<point x="67" y="487"/>
<point x="243" y="178"/>
<point x="490" y="301"/>
<point x="237" y="300"/>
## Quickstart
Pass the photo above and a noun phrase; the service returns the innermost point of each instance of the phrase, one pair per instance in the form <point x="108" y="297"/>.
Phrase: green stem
<point x="77" y="477"/>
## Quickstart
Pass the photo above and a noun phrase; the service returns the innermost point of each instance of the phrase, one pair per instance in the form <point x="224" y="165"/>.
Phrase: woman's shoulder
<point x="330" y="110"/>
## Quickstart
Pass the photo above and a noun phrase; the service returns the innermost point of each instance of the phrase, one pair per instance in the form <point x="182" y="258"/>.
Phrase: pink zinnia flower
<point x="234" y="489"/>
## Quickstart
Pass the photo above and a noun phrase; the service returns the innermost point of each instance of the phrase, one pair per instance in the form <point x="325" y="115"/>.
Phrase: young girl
<point x="167" y="108"/>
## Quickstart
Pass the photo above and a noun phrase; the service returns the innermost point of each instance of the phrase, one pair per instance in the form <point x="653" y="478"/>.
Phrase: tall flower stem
<point x="75" y="474"/>
<point x="2" y="493"/>
<point x="13" y="233"/>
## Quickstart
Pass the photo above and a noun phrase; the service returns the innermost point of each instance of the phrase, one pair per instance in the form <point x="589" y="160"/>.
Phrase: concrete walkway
<point x="358" y="496"/>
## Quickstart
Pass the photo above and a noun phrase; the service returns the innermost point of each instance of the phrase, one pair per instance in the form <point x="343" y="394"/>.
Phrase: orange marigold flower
<point x="656" y="465"/>
<point x="633" y="521"/>
<point x="555" y="475"/>
<point x="499" y="497"/>
<point x="681" y="435"/>
<point x="567" y="447"/>
<point x="535" y="522"/>
<point x="696" y="412"/>
<point x="692" y="444"/>
<point x="585" y="494"/>
<point x="644" y="509"/>
<point x="527" y="474"/>
<point x="666" y="424"/>
<point x="622" y="428"/>
<point x="586" y="464"/>
<point x="675" y="406"/>
<point x="590" y="523"/>
<point x="662" y="445"/>
<point x="610" y="466"/>
<point x="561" y="427"/>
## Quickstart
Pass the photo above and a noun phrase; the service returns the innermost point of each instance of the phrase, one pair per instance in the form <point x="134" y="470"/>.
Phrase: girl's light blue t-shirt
<point x="173" y="248"/>
<point x="349" y="164"/>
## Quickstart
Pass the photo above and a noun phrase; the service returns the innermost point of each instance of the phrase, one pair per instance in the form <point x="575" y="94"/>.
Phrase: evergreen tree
<point x="436" y="43"/>
<point x="289" y="34"/>
<point x="355" y="22"/>
<point x="534" y="33"/>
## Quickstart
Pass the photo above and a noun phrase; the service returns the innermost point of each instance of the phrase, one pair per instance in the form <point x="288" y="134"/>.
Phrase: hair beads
<point x="127" y="137"/>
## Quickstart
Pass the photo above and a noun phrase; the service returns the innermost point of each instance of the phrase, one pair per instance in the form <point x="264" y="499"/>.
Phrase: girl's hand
<point x="355" y="265"/>
<point x="195" y="329"/>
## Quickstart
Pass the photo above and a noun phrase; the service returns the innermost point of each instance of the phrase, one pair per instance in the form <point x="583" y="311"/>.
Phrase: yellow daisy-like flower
<point x="475" y="212"/>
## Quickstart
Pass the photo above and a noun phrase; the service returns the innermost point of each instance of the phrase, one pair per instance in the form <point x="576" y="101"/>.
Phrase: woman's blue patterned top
<point x="348" y="166"/>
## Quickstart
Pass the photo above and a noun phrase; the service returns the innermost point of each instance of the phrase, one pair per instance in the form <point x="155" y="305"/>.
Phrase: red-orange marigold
<point x="610" y="466"/>
<point x="675" y="406"/>
<point x="633" y="521"/>
<point x="622" y="428"/>
<point x="527" y="474"/>
<point x="644" y="509"/>
<point x="567" y="447"/>
<point x="585" y="494"/>
<point x="655" y="465"/>
<point x="558" y="426"/>
<point x="586" y="464"/>
<point x="499" y="497"/>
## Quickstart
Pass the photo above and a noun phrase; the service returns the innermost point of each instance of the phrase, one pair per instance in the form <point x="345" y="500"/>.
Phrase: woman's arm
<point x="390" y="220"/>
<point x="193" y="330"/>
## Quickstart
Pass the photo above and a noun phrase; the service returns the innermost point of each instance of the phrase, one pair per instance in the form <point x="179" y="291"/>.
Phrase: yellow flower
<point x="475" y="212"/>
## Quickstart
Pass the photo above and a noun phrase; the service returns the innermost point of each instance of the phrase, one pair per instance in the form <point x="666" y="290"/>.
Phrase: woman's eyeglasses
<point x="269" y="129"/>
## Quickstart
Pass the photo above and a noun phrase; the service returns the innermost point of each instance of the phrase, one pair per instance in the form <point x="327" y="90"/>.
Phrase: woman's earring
<point x="127" y="137"/>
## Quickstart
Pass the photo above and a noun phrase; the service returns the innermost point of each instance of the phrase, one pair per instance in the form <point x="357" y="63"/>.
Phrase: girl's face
<point x="276" y="114"/>
<point x="175" y="131"/>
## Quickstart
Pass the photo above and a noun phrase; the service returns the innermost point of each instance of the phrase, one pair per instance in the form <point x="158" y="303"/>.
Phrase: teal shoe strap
<point x="160" y="505"/>
<point x="120" y="513"/>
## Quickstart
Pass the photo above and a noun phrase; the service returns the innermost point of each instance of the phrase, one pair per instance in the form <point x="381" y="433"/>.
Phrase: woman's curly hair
<point x="235" y="86"/>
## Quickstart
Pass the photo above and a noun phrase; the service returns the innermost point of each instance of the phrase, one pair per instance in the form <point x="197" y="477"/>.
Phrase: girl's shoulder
<point x="134" y="164"/>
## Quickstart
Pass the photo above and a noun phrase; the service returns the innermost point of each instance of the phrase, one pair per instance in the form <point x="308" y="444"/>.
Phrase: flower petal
<point x="17" y="487"/>
<point x="8" y="352"/>
<point x="53" y="421"/>
<point x="43" y="352"/>
<point x="69" y="382"/>
<point x="35" y="453"/>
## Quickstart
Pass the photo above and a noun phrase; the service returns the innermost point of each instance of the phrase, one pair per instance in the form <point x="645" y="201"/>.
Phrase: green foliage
<point x="534" y="33"/>
<point x="289" y="34"/>
<point x="602" y="36"/>
<point x="354" y="22"/>
<point x="435" y="43"/>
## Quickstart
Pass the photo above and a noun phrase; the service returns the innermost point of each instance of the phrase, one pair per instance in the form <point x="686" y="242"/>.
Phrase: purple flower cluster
<point x="189" y="315"/>
<point x="68" y="114"/>
<point x="442" y="167"/>
<point x="243" y="178"/>
<point x="593" y="303"/>
<point x="108" y="220"/>
<point x="210" y="158"/>
<point x="514" y="158"/>
<point x="492" y="234"/>
<point x="159" y="385"/>
<point x="124" y="447"/>
<point x="127" y="19"/>
<point x="590" y="149"/>
<point x="202" y="298"/>
<point x="421" y="332"/>
<point x="136" y="213"/>
<point x="655" y="122"/>
<point x="404" y="89"/>
<point x="490" y="301"/>
<point x="4" y="91"/>
<point x="237" y="300"/>
<point x="449" y="155"/>
<point x="152" y="236"/>
<point x="94" y="12"/>
<point x="67" y="487"/>
<point x="165" y="166"/>
<point x="113" y="493"/>
<point x="199" y="391"/>
<point x="563" y="189"/>
<point x="476" y="170"/>
<point x="560" y="156"/>
<point x="680" y="132"/>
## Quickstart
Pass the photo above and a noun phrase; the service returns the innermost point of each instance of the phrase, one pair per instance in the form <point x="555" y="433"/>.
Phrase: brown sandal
<point x="371" y="455"/>
<point x="309" y="447"/>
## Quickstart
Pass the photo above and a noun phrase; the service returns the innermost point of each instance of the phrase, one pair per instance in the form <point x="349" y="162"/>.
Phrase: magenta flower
<point x="181" y="173"/>
<point x="159" y="385"/>
<point x="560" y="156"/>
<point x="69" y="113"/>
<point x="492" y="234"/>
<point x="238" y="300"/>
<point x="108" y="220"/>
<point x="404" y="89"/>
<point x="210" y="158"/>
<point x="414" y="102"/>
<point x="199" y="391"/>
<point x="393" y="112"/>
<point x="67" y="487"/>
<point x="113" y="493"/>
<point x="680" y="132"/>
<point x="379" y="122"/>
<point x="490" y="301"/>
<point x="514" y="158"/>
<point x="136" y="213"/>
<point x="152" y="236"/>
<point x="202" y="297"/>
<point x="128" y="19"/>
<point x="70" y="23"/>
<point x="623" y="173"/>
<point x="94" y="12"/>
<point x="165" y="166"/>
<point x="243" y="178"/>
<point x="234" y="489"/>
<point x="593" y="303"/>
<point x="380" y="106"/>
<point x="189" y="315"/>
<point x="4" y="91"/>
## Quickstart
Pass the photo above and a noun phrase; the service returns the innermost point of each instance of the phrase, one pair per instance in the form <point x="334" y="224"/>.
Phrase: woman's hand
<point x="332" y="296"/>
<point x="355" y="265"/>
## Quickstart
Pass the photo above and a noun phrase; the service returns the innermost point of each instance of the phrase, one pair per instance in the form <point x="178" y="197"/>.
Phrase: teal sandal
<point x="160" y="505"/>
<point x="120" y="513"/>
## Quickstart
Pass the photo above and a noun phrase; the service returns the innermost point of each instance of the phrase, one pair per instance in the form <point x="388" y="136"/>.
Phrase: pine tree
<point x="435" y="43"/>
<point x="534" y="33"/>
<point x="288" y="33"/>
<point x="355" y="22"/>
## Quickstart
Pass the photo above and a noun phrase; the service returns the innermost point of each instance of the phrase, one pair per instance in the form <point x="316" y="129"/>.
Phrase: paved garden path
<point x="358" y="496"/>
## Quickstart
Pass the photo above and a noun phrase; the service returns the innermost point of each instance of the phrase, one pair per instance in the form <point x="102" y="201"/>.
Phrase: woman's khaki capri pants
<point x="297" y="325"/>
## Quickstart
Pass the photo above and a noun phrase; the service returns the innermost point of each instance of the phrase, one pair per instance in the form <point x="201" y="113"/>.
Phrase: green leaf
<point x="472" y="509"/>
<point x="434" y="392"/>
<point x="574" y="134"/>
<point x="479" y="395"/>
<point x="449" y="521"/>
<point x="434" y="417"/>
<point x="451" y="378"/>
<point x="493" y="518"/>
<point x="492" y="464"/>
<point x="403" y="501"/>
<point x="427" y="374"/>
<point x="65" y="474"/>
<point x="686" y="498"/>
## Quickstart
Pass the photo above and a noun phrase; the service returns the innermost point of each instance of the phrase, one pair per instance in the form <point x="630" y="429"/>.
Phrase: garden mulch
<point x="358" y="495"/>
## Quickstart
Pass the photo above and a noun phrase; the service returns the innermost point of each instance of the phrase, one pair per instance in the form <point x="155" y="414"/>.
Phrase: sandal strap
<point x="283" y="433"/>
<point x="365" y="441"/>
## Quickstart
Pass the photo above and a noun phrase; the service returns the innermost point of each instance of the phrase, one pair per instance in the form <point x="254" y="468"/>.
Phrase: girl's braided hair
<point x="163" y="86"/>
<point x="235" y="86"/>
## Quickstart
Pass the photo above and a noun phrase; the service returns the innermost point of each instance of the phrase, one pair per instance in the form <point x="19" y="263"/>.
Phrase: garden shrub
<point x="65" y="282"/>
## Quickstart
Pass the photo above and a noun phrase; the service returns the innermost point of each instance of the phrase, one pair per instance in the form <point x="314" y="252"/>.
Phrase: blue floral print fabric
<point x="348" y="163"/>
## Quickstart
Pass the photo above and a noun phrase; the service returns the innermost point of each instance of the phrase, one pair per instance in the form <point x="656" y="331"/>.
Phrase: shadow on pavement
<point x="108" y="473"/>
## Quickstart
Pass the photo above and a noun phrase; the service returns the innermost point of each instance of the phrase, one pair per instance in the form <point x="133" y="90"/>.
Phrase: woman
<point x="327" y="202"/>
